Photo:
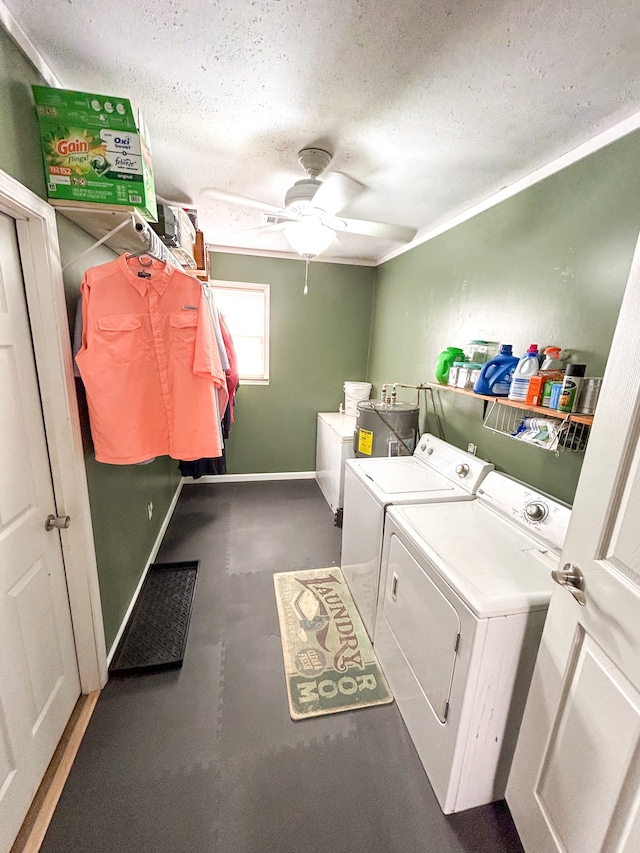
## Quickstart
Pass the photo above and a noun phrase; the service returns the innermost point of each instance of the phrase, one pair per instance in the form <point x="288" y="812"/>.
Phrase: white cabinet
<point x="334" y="445"/>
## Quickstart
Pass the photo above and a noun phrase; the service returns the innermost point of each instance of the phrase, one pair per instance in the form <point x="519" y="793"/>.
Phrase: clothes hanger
<point x="145" y="258"/>
<point x="145" y="253"/>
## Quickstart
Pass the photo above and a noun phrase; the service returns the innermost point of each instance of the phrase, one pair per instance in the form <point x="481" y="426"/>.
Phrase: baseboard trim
<point x="251" y="478"/>
<point x="152" y="556"/>
<point x="35" y="825"/>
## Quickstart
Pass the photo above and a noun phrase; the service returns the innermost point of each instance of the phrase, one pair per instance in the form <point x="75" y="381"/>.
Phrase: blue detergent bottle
<point x="495" y="376"/>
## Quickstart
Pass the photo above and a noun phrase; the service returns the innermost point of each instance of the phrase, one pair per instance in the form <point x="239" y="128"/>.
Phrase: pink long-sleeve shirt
<point x="150" y="364"/>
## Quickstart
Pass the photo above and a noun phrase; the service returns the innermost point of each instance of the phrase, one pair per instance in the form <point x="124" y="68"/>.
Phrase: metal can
<point x="556" y="388"/>
<point x="589" y="391"/>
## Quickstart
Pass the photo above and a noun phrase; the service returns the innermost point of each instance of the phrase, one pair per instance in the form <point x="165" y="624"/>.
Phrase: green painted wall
<point x="317" y="342"/>
<point x="119" y="494"/>
<point x="547" y="266"/>
<point x="19" y="136"/>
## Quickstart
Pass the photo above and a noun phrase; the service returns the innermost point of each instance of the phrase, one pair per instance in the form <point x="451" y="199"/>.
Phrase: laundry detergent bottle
<point x="527" y="367"/>
<point x="445" y="360"/>
<point x="495" y="376"/>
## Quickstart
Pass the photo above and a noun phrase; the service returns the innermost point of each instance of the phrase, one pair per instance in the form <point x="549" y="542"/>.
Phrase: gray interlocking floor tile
<point x="207" y="759"/>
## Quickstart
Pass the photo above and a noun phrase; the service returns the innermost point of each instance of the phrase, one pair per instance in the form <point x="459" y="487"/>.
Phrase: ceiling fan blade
<point x="172" y="202"/>
<point x="397" y="233"/>
<point x="336" y="192"/>
<point x="221" y="195"/>
<point x="268" y="228"/>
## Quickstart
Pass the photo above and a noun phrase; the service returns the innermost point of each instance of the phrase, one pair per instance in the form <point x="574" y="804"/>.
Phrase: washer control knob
<point x="536" y="511"/>
<point x="462" y="470"/>
<point x="430" y="451"/>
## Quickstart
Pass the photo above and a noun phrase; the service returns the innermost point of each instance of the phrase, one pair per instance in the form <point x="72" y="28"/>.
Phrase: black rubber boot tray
<point x="156" y="633"/>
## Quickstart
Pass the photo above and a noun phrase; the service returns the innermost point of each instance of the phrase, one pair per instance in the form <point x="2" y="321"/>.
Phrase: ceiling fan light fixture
<point x="308" y="236"/>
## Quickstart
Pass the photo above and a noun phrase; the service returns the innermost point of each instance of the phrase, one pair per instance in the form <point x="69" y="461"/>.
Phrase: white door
<point x="39" y="683"/>
<point x="575" y="780"/>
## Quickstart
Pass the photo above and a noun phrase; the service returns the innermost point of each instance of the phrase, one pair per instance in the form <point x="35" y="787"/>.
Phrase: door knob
<point x="61" y="522"/>
<point x="572" y="579"/>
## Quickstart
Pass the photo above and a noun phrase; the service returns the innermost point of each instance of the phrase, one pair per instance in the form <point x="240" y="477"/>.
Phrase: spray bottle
<point x="571" y="387"/>
<point x="551" y="358"/>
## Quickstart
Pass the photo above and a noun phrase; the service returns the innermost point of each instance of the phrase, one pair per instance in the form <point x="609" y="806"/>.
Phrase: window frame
<point x="265" y="289"/>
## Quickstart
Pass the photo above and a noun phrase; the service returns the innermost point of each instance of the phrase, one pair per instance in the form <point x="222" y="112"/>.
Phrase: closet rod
<point x="155" y="244"/>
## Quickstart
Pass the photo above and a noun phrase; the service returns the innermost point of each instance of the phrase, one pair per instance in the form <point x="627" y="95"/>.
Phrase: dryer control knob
<point x="462" y="470"/>
<point x="536" y="511"/>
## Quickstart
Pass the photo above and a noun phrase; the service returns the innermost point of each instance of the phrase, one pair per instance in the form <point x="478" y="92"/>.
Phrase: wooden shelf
<point x="574" y="417"/>
<point x="201" y="255"/>
<point x="437" y="387"/>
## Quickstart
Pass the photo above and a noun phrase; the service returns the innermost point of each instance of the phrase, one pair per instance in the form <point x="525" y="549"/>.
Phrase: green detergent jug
<point x="445" y="360"/>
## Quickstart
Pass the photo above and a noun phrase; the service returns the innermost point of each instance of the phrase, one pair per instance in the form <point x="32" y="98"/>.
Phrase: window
<point x="246" y="310"/>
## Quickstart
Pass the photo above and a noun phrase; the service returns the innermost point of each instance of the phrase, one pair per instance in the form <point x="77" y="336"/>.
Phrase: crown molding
<point x="590" y="146"/>
<point x="22" y="40"/>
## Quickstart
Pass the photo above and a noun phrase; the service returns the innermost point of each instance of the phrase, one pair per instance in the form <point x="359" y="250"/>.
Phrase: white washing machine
<point x="437" y="471"/>
<point x="463" y="596"/>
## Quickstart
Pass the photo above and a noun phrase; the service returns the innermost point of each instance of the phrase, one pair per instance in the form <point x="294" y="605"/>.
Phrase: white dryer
<point x="436" y="472"/>
<point x="463" y="596"/>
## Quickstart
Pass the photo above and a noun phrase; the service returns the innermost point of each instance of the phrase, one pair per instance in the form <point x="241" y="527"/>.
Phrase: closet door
<point x="39" y="683"/>
<point x="575" y="776"/>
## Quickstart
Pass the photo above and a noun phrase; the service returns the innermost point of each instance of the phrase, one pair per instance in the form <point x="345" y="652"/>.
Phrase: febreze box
<point x="93" y="151"/>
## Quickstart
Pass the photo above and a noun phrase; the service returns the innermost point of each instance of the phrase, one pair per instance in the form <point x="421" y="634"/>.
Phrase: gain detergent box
<point x="93" y="151"/>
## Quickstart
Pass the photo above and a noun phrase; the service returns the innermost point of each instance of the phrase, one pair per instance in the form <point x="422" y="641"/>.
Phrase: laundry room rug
<point x="329" y="662"/>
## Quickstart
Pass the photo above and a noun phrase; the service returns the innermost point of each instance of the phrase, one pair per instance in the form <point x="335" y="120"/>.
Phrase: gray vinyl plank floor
<point x="206" y="759"/>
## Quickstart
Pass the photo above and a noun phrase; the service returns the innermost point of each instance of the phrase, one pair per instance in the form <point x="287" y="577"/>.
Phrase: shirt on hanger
<point x="150" y="363"/>
<point x="216" y="326"/>
<point x="217" y="465"/>
<point x="223" y="395"/>
<point x="232" y="373"/>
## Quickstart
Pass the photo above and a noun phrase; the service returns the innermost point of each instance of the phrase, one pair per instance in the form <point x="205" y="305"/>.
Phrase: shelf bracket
<point x="435" y="411"/>
<point x="102" y="240"/>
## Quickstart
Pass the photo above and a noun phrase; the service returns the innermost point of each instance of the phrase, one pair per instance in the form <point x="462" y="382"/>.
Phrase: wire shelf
<point x="531" y="427"/>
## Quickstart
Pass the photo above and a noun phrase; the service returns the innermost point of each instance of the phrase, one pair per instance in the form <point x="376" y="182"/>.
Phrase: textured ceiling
<point x="433" y="106"/>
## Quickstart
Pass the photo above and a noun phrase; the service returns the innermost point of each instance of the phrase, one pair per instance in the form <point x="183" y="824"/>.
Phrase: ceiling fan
<point x="309" y="217"/>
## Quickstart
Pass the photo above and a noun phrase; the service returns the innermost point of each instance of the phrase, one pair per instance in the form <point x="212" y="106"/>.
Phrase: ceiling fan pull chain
<point x="306" y="275"/>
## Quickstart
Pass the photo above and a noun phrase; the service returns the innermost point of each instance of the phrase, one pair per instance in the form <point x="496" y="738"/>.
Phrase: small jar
<point x="467" y="375"/>
<point x="475" y="374"/>
<point x="479" y="352"/>
<point x="454" y="370"/>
